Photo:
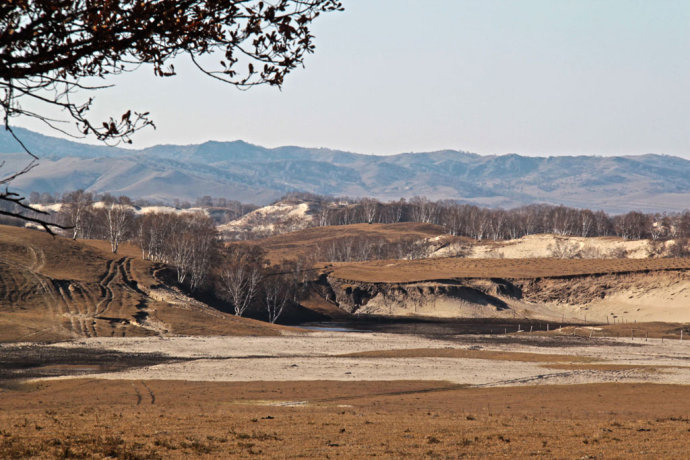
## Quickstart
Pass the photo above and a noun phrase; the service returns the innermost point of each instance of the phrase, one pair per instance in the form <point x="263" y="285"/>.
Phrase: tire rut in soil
<point x="107" y="293"/>
<point x="75" y="326"/>
<point x="79" y="296"/>
<point x="138" y="394"/>
<point x="142" y="315"/>
<point x="125" y="269"/>
<point x="153" y="396"/>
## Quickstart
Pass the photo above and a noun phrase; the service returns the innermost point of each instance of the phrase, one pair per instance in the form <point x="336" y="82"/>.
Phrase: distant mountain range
<point x="250" y="173"/>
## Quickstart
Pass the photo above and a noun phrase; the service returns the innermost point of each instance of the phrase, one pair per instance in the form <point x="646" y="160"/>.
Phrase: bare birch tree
<point x="278" y="291"/>
<point x="240" y="282"/>
<point x="76" y="206"/>
<point x="117" y="221"/>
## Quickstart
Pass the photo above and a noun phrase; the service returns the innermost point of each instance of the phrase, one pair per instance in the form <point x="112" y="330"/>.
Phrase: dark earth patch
<point x="33" y="361"/>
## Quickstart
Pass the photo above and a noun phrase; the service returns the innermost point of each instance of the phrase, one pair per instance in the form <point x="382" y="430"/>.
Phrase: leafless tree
<point x="679" y="248"/>
<point x="204" y="249"/>
<point x="240" y="282"/>
<point x="76" y="206"/>
<point x="684" y="225"/>
<point x="51" y="51"/>
<point x="180" y="250"/>
<point x="153" y="235"/>
<point x="422" y="210"/>
<point x="323" y="217"/>
<point x="451" y="218"/>
<point x="186" y="241"/>
<point x="633" y="225"/>
<point x="587" y="222"/>
<point x="278" y="292"/>
<point x="116" y="220"/>
<point x="370" y="209"/>
<point x="241" y="276"/>
<point x="603" y="224"/>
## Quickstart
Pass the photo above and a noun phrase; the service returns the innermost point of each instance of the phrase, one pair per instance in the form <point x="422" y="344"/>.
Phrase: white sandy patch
<point x="311" y="357"/>
<point x="469" y="371"/>
<point x="443" y="306"/>
<point x="539" y="246"/>
<point x="55" y="207"/>
<point x="308" y="344"/>
<point x="169" y="210"/>
<point x="665" y="303"/>
<point x="268" y="218"/>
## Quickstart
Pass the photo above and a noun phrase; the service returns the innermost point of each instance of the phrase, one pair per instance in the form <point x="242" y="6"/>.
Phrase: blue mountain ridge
<point x="251" y="173"/>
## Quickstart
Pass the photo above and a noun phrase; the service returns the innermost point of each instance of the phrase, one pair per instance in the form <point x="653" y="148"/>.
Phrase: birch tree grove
<point x="499" y="224"/>
<point x="204" y="242"/>
<point x="186" y="241"/>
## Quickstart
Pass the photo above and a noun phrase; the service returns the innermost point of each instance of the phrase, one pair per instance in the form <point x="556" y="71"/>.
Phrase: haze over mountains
<point x="250" y="173"/>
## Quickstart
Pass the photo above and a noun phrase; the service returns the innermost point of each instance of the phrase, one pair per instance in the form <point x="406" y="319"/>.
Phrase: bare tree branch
<point x="50" y="50"/>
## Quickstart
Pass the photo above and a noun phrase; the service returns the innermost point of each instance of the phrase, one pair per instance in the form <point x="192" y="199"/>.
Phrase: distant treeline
<point x="458" y="219"/>
<point x="189" y="243"/>
<point x="500" y="224"/>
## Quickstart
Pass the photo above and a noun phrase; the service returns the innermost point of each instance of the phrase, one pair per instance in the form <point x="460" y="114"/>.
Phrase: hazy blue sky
<point x="547" y="77"/>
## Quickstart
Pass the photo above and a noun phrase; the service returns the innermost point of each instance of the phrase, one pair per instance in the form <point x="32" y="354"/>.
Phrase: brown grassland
<point x="325" y="419"/>
<point x="307" y="242"/>
<point x="407" y="271"/>
<point x="639" y="331"/>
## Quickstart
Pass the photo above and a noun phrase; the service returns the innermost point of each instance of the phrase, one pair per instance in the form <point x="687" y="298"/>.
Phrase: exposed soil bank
<point x="603" y="298"/>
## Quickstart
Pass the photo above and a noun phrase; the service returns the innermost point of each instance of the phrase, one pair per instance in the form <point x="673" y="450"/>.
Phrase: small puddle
<point x="423" y="327"/>
<point x="329" y="327"/>
<point x="267" y="402"/>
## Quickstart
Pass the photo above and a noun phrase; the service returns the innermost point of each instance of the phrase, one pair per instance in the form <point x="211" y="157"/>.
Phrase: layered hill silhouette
<point x="251" y="173"/>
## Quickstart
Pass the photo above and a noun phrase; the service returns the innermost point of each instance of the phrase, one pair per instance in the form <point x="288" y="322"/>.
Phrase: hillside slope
<point x="259" y="175"/>
<point x="599" y="290"/>
<point x="56" y="289"/>
<point x="311" y="242"/>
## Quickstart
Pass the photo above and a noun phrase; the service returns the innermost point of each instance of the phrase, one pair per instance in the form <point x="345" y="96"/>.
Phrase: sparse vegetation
<point x="437" y="269"/>
<point x="421" y="419"/>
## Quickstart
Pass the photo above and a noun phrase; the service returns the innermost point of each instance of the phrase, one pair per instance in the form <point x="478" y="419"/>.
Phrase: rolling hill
<point x="58" y="289"/>
<point x="251" y="173"/>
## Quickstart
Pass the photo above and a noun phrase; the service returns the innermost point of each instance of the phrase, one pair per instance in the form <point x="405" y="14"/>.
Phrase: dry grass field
<point x="57" y="289"/>
<point x="290" y="246"/>
<point x="407" y="271"/>
<point x="326" y="419"/>
<point x="639" y="331"/>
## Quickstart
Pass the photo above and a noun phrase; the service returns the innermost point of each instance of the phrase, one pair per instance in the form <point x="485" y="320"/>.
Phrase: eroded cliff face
<point x="443" y="298"/>
<point x="650" y="296"/>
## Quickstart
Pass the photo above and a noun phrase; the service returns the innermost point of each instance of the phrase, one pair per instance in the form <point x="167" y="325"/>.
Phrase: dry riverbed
<point x="349" y="395"/>
<point x="475" y="360"/>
